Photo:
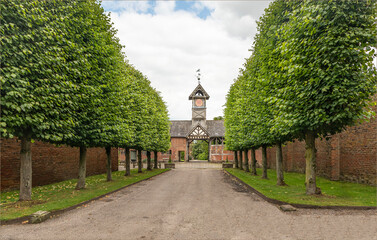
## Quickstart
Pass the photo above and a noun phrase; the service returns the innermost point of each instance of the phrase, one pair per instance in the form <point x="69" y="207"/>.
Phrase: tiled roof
<point x="180" y="128"/>
<point x="216" y="128"/>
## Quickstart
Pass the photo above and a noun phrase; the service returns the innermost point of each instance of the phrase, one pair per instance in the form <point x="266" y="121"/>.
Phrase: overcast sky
<point x="169" y="40"/>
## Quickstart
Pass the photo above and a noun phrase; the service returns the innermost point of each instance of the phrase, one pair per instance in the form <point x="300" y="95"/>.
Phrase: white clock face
<point x="198" y="102"/>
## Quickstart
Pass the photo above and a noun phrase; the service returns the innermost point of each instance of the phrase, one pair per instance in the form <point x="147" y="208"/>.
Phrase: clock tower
<point x="199" y="97"/>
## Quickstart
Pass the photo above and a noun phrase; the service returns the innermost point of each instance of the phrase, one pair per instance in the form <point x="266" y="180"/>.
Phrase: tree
<point x="327" y="76"/>
<point x="149" y="117"/>
<point x="36" y="93"/>
<point x="310" y="75"/>
<point x="232" y="119"/>
<point x="116" y="121"/>
<point x="99" y="81"/>
<point x="200" y="150"/>
<point x="159" y="141"/>
<point x="136" y="96"/>
<point x="235" y="159"/>
<point x="267" y="61"/>
<point x="246" y="157"/>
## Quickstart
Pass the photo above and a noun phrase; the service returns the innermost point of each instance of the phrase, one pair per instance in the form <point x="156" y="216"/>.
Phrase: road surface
<point x="195" y="203"/>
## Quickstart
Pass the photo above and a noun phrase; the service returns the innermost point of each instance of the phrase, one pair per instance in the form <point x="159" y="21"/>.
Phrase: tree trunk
<point x="108" y="163"/>
<point x="128" y="162"/>
<point x="236" y="159"/>
<point x="155" y="159"/>
<point x="253" y="163"/>
<point x="82" y="169"/>
<point x="279" y="166"/>
<point x="240" y="159"/>
<point x="310" y="173"/>
<point x="264" y="162"/>
<point x="139" y="162"/>
<point x="246" y="161"/>
<point x="149" y="163"/>
<point x="25" y="169"/>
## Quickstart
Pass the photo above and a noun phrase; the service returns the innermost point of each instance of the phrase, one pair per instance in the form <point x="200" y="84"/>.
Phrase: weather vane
<point x="198" y="75"/>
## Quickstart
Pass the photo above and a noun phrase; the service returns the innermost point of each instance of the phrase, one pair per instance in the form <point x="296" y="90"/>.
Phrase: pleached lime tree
<point x="99" y="81"/>
<point x="37" y="96"/>
<point x="327" y="76"/>
<point x="232" y="120"/>
<point x="237" y="133"/>
<point x="159" y="140"/>
<point x="310" y="75"/>
<point x="130" y="110"/>
<point x="117" y="129"/>
<point x="142" y="113"/>
<point x="266" y="85"/>
<point x="64" y="79"/>
<point x="257" y="117"/>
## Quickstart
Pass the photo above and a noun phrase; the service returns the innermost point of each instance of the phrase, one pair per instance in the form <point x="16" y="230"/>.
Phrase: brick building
<point x="185" y="132"/>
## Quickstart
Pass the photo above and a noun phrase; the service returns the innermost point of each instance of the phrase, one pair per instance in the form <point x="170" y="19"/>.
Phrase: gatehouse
<point x="185" y="132"/>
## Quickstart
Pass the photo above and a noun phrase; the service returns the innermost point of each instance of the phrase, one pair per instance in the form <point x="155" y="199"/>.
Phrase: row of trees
<point x="310" y="75"/>
<point x="65" y="80"/>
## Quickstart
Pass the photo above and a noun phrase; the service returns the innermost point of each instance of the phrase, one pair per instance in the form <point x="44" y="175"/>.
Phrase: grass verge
<point x="62" y="195"/>
<point x="334" y="193"/>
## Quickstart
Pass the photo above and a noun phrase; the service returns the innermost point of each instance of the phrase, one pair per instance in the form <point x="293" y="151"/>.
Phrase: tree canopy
<point x="310" y="75"/>
<point x="36" y="91"/>
<point x="64" y="79"/>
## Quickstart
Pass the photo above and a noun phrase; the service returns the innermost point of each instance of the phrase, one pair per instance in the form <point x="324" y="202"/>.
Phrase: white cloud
<point x="164" y="7"/>
<point x="169" y="46"/>
<point x="237" y="17"/>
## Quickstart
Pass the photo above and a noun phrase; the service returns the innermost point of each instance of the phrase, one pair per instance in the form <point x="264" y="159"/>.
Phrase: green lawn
<point x="63" y="194"/>
<point x="334" y="193"/>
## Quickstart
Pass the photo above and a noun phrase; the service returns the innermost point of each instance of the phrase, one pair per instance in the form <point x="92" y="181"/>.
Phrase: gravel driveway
<point x="195" y="203"/>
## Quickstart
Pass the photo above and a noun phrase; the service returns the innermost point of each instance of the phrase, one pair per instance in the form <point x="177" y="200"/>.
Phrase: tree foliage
<point x="200" y="150"/>
<point x="36" y="91"/>
<point x="327" y="75"/>
<point x="310" y="75"/>
<point x="64" y="79"/>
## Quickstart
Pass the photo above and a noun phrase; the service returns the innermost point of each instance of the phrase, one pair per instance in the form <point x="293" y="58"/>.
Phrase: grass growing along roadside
<point x="334" y="193"/>
<point x="62" y="195"/>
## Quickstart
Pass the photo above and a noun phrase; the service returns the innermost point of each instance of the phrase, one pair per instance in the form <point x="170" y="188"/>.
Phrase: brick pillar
<point x="187" y="150"/>
<point x="335" y="157"/>
<point x="209" y="150"/>
<point x="222" y="149"/>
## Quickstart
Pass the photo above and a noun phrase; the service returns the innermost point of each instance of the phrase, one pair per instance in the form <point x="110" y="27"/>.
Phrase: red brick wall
<point x="160" y="156"/>
<point x="350" y="155"/>
<point x="358" y="153"/>
<point x="220" y="155"/>
<point x="50" y="163"/>
<point x="177" y="144"/>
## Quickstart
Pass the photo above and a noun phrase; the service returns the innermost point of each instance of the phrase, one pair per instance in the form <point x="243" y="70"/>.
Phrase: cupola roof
<point x="199" y="92"/>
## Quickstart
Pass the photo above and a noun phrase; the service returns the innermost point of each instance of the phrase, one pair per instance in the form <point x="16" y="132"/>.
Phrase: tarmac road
<point x="188" y="203"/>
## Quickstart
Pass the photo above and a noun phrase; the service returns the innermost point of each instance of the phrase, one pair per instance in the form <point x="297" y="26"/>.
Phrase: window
<point x="199" y="93"/>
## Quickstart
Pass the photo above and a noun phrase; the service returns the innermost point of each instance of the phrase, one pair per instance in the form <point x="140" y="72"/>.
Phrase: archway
<point x="199" y="150"/>
<point x="198" y="133"/>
